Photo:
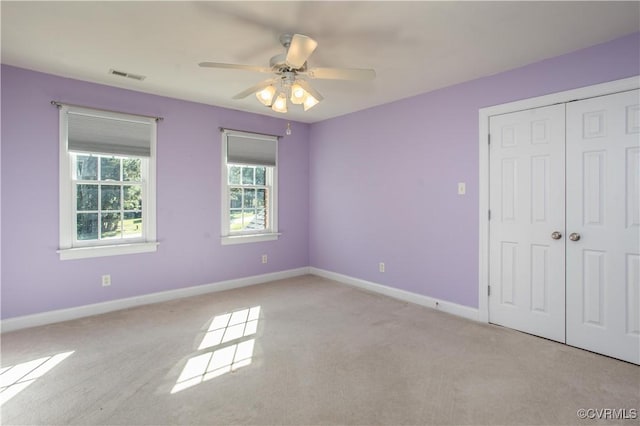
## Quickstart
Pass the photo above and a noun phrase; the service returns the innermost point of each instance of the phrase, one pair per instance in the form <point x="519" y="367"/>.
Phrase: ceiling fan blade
<point x="300" y="49"/>
<point x="234" y="66"/>
<point x="341" y="73"/>
<point x="306" y="86"/>
<point x="254" y="89"/>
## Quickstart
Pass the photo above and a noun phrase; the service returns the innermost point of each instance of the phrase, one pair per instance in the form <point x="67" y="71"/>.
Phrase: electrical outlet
<point x="381" y="267"/>
<point x="264" y="258"/>
<point x="106" y="280"/>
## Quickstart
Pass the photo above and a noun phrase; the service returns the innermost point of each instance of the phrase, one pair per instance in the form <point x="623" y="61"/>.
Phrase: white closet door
<point x="527" y="269"/>
<point x="603" y="211"/>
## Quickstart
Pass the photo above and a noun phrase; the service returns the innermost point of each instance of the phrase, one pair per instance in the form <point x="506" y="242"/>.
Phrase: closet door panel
<point x="603" y="225"/>
<point x="527" y="206"/>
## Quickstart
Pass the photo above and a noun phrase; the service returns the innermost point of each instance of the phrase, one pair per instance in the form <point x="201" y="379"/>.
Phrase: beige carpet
<point x="315" y="352"/>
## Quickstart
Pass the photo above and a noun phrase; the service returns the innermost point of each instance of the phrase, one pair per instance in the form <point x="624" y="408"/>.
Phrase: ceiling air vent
<point x="127" y="75"/>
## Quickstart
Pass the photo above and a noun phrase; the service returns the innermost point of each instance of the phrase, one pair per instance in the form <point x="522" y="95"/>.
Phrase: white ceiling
<point x="415" y="47"/>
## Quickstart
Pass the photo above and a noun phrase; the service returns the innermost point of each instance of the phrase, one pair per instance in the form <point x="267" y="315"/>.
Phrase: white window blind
<point x="116" y="134"/>
<point x="251" y="149"/>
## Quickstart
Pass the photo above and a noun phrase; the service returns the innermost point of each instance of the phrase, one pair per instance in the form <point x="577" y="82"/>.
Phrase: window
<point x="249" y="193"/>
<point x="107" y="183"/>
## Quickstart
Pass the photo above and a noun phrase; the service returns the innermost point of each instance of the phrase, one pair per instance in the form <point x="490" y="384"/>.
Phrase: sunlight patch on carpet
<point x="228" y="333"/>
<point x="14" y="379"/>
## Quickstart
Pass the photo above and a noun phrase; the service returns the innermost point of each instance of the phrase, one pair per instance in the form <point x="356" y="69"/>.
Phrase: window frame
<point x="271" y="183"/>
<point x="69" y="246"/>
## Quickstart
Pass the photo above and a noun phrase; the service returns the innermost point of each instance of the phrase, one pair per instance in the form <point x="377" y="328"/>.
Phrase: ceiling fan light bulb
<point x="298" y="94"/>
<point x="265" y="96"/>
<point x="310" y="102"/>
<point x="280" y="104"/>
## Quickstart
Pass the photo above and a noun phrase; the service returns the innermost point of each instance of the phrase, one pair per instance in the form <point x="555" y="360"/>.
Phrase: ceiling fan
<point x="290" y="73"/>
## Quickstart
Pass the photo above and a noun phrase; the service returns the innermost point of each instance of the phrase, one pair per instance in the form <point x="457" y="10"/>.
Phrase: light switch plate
<point x="462" y="188"/>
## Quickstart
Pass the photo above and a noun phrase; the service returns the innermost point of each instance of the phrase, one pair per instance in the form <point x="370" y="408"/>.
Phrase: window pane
<point x="87" y="226"/>
<point x="110" y="197"/>
<point x="132" y="197"/>
<point x="235" y="219"/>
<point x="86" y="197"/>
<point x="86" y="167"/>
<point x="111" y="226"/>
<point x="132" y="225"/>
<point x="234" y="175"/>
<point x="260" y="175"/>
<point x="235" y="198"/>
<point x="249" y="218"/>
<point x="109" y="168"/>
<point x="261" y="198"/>
<point x="131" y="169"/>
<point x="259" y="222"/>
<point x="249" y="197"/>
<point x="247" y="176"/>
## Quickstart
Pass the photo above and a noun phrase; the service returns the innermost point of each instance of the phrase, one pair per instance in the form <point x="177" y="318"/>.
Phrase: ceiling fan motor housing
<point x="278" y="64"/>
<point x="285" y="39"/>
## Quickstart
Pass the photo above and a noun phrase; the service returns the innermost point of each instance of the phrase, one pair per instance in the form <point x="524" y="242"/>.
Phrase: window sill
<point x="252" y="238"/>
<point x="110" y="250"/>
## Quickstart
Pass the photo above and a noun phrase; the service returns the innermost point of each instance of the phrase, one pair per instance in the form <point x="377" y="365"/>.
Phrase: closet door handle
<point x="556" y="235"/>
<point x="574" y="236"/>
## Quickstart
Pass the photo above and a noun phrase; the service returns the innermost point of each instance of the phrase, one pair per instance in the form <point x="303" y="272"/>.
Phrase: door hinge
<point x="489" y="214"/>
<point x="488" y="290"/>
<point x="489" y="139"/>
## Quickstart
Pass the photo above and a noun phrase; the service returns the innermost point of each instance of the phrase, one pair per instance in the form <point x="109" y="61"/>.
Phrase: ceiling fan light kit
<point x="265" y="96"/>
<point x="277" y="99"/>
<point x="310" y="102"/>
<point x="297" y="94"/>
<point x="289" y="70"/>
<point x="280" y="104"/>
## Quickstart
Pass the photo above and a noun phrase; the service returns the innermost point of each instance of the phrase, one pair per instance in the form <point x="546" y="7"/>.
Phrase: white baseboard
<point x="60" y="315"/>
<point x="407" y="296"/>
<point x="51" y="317"/>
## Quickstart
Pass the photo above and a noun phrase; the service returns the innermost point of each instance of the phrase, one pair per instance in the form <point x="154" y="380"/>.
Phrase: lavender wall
<point x="188" y="199"/>
<point x="382" y="185"/>
<point x="383" y="181"/>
